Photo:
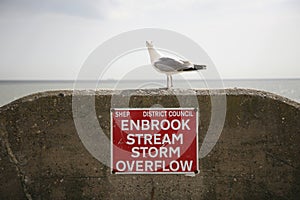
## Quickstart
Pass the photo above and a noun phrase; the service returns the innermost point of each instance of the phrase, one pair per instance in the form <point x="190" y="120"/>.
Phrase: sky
<point x="51" y="39"/>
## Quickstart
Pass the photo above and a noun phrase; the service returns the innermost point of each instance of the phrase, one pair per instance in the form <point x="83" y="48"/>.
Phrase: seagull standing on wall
<point x="170" y="66"/>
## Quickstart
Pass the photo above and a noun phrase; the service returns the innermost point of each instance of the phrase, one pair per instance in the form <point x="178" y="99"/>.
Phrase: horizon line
<point x="115" y="80"/>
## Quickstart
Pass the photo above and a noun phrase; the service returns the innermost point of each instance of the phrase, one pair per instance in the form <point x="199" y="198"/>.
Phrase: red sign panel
<point x="158" y="141"/>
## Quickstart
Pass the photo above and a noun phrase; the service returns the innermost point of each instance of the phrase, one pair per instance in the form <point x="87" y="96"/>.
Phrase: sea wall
<point x="256" y="156"/>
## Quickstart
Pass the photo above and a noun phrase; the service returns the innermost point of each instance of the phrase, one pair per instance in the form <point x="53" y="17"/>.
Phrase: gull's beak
<point x="149" y="43"/>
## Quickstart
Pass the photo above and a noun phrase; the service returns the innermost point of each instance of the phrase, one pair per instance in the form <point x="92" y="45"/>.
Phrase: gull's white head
<point x="149" y="44"/>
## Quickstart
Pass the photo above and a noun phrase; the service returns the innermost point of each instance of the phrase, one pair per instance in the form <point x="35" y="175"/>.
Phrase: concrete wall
<point x="256" y="157"/>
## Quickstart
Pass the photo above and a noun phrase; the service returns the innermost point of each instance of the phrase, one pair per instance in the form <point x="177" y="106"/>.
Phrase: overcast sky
<point x="51" y="39"/>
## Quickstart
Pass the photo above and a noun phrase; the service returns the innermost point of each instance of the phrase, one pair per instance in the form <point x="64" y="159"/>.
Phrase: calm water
<point x="12" y="90"/>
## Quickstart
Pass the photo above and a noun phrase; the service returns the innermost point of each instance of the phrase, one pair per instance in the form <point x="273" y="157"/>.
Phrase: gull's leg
<point x="171" y="78"/>
<point x="168" y="81"/>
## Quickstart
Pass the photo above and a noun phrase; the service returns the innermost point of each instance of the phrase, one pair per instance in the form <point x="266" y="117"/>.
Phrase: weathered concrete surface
<point x="256" y="157"/>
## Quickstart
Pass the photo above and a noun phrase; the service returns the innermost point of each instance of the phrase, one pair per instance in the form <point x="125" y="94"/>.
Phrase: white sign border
<point x="135" y="173"/>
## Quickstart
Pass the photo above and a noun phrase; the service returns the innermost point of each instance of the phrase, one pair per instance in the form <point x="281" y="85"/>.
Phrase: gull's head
<point x="149" y="44"/>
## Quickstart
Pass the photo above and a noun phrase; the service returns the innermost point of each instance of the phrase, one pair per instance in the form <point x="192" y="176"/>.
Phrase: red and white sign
<point x="156" y="140"/>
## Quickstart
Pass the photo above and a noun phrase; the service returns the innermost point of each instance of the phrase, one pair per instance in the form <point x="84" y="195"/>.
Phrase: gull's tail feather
<point x="199" y="67"/>
<point x="195" y="68"/>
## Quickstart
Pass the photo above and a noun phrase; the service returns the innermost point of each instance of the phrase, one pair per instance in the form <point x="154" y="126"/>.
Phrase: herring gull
<point x="170" y="66"/>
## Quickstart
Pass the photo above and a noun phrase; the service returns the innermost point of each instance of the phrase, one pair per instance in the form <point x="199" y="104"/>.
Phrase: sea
<point x="12" y="90"/>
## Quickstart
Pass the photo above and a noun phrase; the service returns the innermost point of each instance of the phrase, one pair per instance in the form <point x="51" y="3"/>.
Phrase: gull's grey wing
<point x="165" y="64"/>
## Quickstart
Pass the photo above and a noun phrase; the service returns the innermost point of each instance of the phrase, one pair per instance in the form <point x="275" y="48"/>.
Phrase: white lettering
<point x="186" y="166"/>
<point x="152" y="125"/>
<point x="124" y="125"/>
<point x="172" y="165"/>
<point x="175" y="151"/>
<point x="148" y="165"/>
<point x="164" y="122"/>
<point x="185" y="124"/>
<point x="153" y="152"/>
<point x="123" y="165"/>
<point x="155" y="124"/>
<point x="157" y="138"/>
<point x="145" y="125"/>
<point x="130" y="139"/>
<point x="139" y="166"/>
<point x="155" y="165"/>
<point x="135" y="152"/>
<point x="134" y="124"/>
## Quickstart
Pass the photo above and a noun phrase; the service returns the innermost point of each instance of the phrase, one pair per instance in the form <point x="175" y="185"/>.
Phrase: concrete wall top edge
<point x="154" y="92"/>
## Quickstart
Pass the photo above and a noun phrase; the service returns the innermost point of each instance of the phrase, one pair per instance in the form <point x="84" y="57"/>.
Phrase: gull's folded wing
<point x="165" y="64"/>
